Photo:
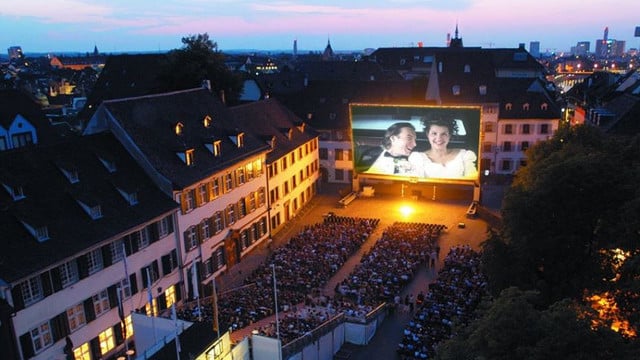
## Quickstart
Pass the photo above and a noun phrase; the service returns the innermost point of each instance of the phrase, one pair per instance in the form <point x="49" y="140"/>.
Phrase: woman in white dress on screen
<point x="439" y="161"/>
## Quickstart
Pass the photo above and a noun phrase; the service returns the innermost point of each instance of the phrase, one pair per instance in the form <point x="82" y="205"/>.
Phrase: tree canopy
<point x="200" y="60"/>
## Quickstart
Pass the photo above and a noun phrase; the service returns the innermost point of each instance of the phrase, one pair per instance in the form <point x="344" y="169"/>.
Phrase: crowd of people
<point x="302" y="266"/>
<point x="390" y="264"/>
<point x="450" y="300"/>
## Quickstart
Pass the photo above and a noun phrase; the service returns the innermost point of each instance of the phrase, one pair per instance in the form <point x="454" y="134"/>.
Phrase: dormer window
<point x="456" y="90"/>
<point x="238" y="140"/>
<point x="40" y="232"/>
<point x="206" y="121"/>
<point x="508" y="106"/>
<point x="272" y="142"/>
<point x="129" y="196"/>
<point x="16" y="191"/>
<point x="290" y="133"/>
<point x="187" y="157"/>
<point x="93" y="210"/>
<point x="217" y="148"/>
<point x="109" y="164"/>
<point x="179" y="128"/>
<point x="525" y="106"/>
<point x="482" y="89"/>
<point x="544" y="106"/>
<point x="302" y="126"/>
<point x="70" y="172"/>
<point x="467" y="68"/>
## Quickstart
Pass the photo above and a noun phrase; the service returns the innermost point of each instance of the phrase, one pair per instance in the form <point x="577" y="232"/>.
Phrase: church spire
<point x="456" y="41"/>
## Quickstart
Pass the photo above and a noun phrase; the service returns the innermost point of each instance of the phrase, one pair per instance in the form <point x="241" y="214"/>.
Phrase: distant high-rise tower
<point x="15" y="52"/>
<point x="606" y="34"/>
<point x="328" y="53"/>
<point x="534" y="49"/>
<point x="295" y="48"/>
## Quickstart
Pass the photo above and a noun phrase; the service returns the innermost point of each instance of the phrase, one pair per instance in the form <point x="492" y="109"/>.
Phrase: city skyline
<point x="119" y="26"/>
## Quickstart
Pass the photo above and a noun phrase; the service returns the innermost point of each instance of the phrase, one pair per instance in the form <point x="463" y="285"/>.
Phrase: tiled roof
<point x="522" y="92"/>
<point x="269" y="118"/>
<point x="51" y="201"/>
<point x="150" y="122"/>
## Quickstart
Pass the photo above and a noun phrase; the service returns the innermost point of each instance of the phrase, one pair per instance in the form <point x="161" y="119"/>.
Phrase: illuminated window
<point x="151" y="309"/>
<point x="240" y="176"/>
<point x="129" y="326"/>
<point x="206" y="121"/>
<point x="179" y="128"/>
<point x="188" y="157"/>
<point x="217" y="148"/>
<point x="107" y="341"/>
<point x="228" y="182"/>
<point x="82" y="352"/>
<point x="249" y="171"/>
<point x="170" y="296"/>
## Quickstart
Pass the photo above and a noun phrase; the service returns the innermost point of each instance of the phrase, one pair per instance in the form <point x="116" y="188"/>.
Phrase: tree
<point x="517" y="326"/>
<point x="200" y="60"/>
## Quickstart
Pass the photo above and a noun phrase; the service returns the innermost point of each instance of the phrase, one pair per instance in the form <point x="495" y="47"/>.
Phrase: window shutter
<point x="162" y="301"/>
<point x="209" y="191"/>
<point x="166" y="264"/>
<point x="133" y="282"/>
<point x="199" y="233"/>
<point x="178" y="292"/>
<point x="16" y="294"/>
<point x="113" y="296"/>
<point x="89" y="311"/>
<point x="174" y="258"/>
<point x="45" y="281"/>
<point x="106" y="256"/>
<point x="134" y="244"/>
<point x="155" y="271"/>
<point x="117" y="332"/>
<point x="170" y="223"/>
<point x="83" y="266"/>
<point x="183" y="202"/>
<point x="55" y="280"/>
<point x="152" y="230"/>
<point x="60" y="326"/>
<point x="94" y="346"/>
<point x="27" y="345"/>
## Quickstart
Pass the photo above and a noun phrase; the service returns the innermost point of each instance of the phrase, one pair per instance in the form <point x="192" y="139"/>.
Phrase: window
<point x="482" y="89"/>
<point x="525" y="106"/>
<point x="523" y="162"/>
<point x="506" y="165"/>
<point x="217" y="148"/>
<point x="508" y="106"/>
<point x="190" y="238"/>
<point x="261" y="197"/>
<point x="323" y="153"/>
<point x="188" y="200"/>
<point x="487" y="147"/>
<point x="31" y="290"/>
<point x="455" y="90"/>
<point x="178" y="128"/>
<point x="101" y="302"/>
<point x="117" y="251"/>
<point x="170" y="296"/>
<point x="75" y="315"/>
<point x="286" y="188"/>
<point x="252" y="201"/>
<point x="3" y="143"/>
<point x="22" y="139"/>
<point x="206" y="229"/>
<point x="249" y="171"/>
<point x="294" y="182"/>
<point x="544" y="106"/>
<point x="284" y="163"/>
<point x="242" y="208"/>
<point x="94" y="261"/>
<point x="42" y="233"/>
<point x="544" y="129"/>
<point x="339" y="174"/>
<point x="203" y="194"/>
<point x="508" y="129"/>
<point x="125" y="288"/>
<point x="339" y="154"/>
<point x="206" y="121"/>
<point x="188" y="157"/>
<point x="68" y="273"/>
<point x="467" y="68"/>
<point x="506" y="146"/>
<point x="215" y="184"/>
<point x="218" y="224"/>
<point x="231" y="214"/>
<point x="41" y="337"/>
<point x="82" y="352"/>
<point x="107" y="341"/>
<point x="240" y="140"/>
<point x="525" y="128"/>
<point x="240" y="176"/>
<point x="228" y="182"/>
<point x="293" y="158"/>
<point x="164" y="226"/>
<point x="141" y="237"/>
<point x="524" y="146"/>
<point x="488" y="127"/>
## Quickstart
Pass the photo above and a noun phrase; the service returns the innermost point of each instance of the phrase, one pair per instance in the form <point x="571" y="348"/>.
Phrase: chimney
<point x="206" y="84"/>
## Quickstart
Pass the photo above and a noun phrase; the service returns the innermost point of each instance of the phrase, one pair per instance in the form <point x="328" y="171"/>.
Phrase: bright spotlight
<point x="406" y="210"/>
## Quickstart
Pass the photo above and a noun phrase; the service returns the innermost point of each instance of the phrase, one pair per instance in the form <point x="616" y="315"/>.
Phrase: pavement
<point x="389" y="209"/>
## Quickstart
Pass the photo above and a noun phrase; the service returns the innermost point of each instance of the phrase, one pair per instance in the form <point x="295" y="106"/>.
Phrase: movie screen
<point x="422" y="143"/>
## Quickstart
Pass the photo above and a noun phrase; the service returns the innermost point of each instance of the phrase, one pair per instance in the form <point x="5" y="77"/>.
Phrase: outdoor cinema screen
<point x="421" y="143"/>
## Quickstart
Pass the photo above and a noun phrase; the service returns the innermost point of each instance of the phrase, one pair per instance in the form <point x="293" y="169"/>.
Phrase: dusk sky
<point x="159" y="25"/>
